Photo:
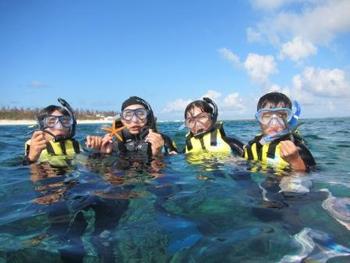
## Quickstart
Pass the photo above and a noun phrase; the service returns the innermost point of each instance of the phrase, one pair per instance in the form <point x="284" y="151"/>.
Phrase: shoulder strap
<point x="188" y="142"/>
<point x="76" y="146"/>
<point x="248" y="150"/>
<point x="272" y="149"/>
<point x="255" y="139"/>
<point x="249" y="145"/>
<point x="202" y="143"/>
<point x="213" y="137"/>
<point x="50" y="149"/>
<point x="259" y="150"/>
<point x="63" y="147"/>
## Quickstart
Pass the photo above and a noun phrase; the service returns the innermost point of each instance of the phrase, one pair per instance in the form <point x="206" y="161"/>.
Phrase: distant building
<point x="109" y="118"/>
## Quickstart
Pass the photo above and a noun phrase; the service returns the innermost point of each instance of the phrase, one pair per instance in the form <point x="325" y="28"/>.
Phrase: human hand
<point x="102" y="144"/>
<point x="93" y="142"/>
<point x="290" y="153"/>
<point x="156" y="140"/>
<point x="37" y="145"/>
<point x="107" y="144"/>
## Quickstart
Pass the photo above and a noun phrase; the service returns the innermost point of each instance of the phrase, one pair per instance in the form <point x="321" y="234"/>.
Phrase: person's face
<point x="273" y="121"/>
<point x="197" y="120"/>
<point x="58" y="124"/>
<point x="134" y="118"/>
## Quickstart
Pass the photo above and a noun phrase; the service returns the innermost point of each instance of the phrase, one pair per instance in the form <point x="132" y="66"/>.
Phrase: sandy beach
<point x="33" y="122"/>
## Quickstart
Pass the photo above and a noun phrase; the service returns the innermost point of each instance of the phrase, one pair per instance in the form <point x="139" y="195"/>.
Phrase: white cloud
<point x="298" y="93"/>
<point x="212" y="94"/>
<point x="297" y="49"/>
<point x="322" y="82"/>
<point x="269" y="4"/>
<point x="228" y="103"/>
<point x="229" y="55"/>
<point x="274" y="87"/>
<point x="37" y="84"/>
<point x="318" y="22"/>
<point x="260" y="67"/>
<point x="177" y="105"/>
<point x="253" y="35"/>
<point x="277" y="88"/>
<point x="233" y="102"/>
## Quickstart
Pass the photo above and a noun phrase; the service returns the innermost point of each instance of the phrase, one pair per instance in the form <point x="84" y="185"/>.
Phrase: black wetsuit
<point x="134" y="148"/>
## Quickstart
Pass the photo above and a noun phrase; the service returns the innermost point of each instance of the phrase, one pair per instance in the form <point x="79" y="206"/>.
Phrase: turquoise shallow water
<point x="191" y="210"/>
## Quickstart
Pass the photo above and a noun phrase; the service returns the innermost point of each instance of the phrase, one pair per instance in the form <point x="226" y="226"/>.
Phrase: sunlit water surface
<point x="208" y="209"/>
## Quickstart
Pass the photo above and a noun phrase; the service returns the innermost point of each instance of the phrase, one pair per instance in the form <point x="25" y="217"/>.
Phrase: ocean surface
<point x="184" y="209"/>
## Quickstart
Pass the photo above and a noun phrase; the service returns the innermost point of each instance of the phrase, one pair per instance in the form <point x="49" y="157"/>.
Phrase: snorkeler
<point x="50" y="151"/>
<point x="136" y="134"/>
<point x="278" y="145"/>
<point x="206" y="134"/>
<point x="53" y="142"/>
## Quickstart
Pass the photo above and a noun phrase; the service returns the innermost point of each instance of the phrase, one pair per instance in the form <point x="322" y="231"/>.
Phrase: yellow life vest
<point x="212" y="142"/>
<point x="269" y="154"/>
<point x="57" y="153"/>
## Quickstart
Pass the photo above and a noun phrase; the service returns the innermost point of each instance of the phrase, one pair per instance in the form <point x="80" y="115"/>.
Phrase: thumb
<point x="88" y="141"/>
<point x="150" y="131"/>
<point x="106" y="142"/>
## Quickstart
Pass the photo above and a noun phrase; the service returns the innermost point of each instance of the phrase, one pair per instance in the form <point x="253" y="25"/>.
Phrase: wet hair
<point x="135" y="100"/>
<point x="274" y="98"/>
<point x="50" y="109"/>
<point x="204" y="106"/>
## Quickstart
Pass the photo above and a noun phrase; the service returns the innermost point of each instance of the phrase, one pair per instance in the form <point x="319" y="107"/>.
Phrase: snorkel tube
<point x="291" y="126"/>
<point x="70" y="111"/>
<point x="214" y="115"/>
<point x="293" y="123"/>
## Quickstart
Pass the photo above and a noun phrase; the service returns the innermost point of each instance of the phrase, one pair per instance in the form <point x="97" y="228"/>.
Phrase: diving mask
<point x="128" y="114"/>
<point x="198" y="123"/>
<point x="274" y="116"/>
<point x="53" y="121"/>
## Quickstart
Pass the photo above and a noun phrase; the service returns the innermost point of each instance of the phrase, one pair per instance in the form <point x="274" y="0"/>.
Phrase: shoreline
<point x="33" y="122"/>
<point x="4" y="122"/>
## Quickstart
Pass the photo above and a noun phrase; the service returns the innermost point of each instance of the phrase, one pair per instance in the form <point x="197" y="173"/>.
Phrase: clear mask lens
<point x="199" y="123"/>
<point x="52" y="121"/>
<point x="274" y="116"/>
<point x="276" y="121"/>
<point x="141" y="114"/>
<point x="200" y="119"/>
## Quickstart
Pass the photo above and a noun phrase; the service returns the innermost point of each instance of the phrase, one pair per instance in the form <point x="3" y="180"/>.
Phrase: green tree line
<point x="15" y="113"/>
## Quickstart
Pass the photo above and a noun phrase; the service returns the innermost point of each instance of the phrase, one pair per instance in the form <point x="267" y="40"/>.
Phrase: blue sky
<point x="95" y="54"/>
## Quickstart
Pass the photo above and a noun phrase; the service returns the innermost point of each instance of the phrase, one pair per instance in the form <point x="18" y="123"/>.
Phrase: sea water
<point x="184" y="209"/>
